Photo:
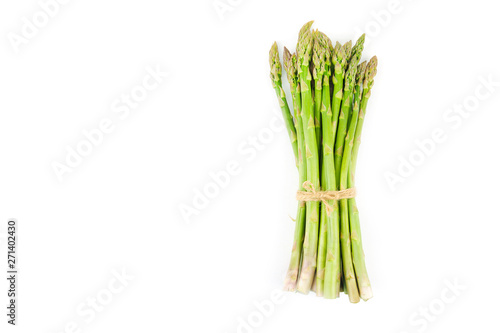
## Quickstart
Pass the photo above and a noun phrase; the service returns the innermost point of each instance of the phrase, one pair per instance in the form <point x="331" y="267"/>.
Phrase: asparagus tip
<point x="347" y="48"/>
<point x="356" y="50"/>
<point x="374" y="62"/>
<point x="360" y="73"/>
<point x="289" y="65"/>
<point x="274" y="62"/>
<point x="305" y="28"/>
<point x="371" y="71"/>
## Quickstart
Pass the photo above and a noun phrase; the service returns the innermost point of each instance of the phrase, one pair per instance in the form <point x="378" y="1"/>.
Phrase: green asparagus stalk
<point x="321" y="72"/>
<point x="290" y="64"/>
<point x="274" y="62"/>
<point x="357" y="246"/>
<point x="371" y="71"/>
<point x="346" y="104"/>
<point x="340" y="55"/>
<point x="329" y="247"/>
<point x="339" y="60"/>
<point x="312" y="160"/>
<point x="346" y="150"/>
<point x="318" y="73"/>
<point x="341" y="121"/>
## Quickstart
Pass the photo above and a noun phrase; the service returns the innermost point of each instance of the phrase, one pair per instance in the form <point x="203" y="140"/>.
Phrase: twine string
<point x="310" y="194"/>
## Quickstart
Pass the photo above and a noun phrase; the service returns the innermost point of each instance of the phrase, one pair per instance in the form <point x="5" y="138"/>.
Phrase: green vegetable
<point x="290" y="64"/>
<point x="357" y="247"/>
<point x="330" y="91"/>
<point x="274" y="61"/>
<point x="310" y="245"/>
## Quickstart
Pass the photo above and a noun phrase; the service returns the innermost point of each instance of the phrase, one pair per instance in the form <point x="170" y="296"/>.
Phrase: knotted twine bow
<point x="310" y="194"/>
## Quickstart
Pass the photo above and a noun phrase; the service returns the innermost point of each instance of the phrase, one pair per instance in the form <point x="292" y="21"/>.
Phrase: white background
<point x="120" y="208"/>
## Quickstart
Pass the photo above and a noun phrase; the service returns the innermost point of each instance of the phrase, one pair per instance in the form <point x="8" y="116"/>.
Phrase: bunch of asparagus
<point x="330" y="90"/>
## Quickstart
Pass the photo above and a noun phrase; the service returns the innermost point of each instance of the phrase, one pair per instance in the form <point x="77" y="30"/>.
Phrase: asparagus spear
<point x="318" y="73"/>
<point x="312" y="160"/>
<point x="347" y="103"/>
<point x="349" y="273"/>
<point x="350" y="286"/>
<point x="322" y="63"/>
<point x="339" y="60"/>
<point x="274" y="62"/>
<point x="360" y="78"/>
<point x="290" y="64"/>
<point x="371" y="71"/>
<point x="341" y="121"/>
<point x="328" y="249"/>
<point x="357" y="246"/>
